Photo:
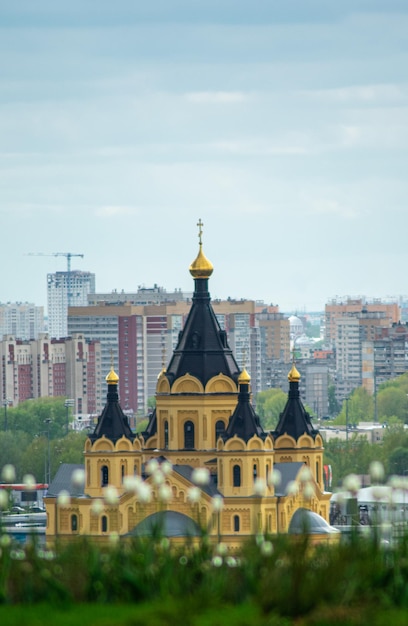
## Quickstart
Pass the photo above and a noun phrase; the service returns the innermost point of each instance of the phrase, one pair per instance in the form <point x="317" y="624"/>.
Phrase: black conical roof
<point x="244" y="422"/>
<point x="294" y="419"/>
<point x="112" y="422"/>
<point x="202" y="350"/>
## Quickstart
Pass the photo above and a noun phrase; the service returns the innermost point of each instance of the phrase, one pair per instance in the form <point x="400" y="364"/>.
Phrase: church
<point x="204" y="464"/>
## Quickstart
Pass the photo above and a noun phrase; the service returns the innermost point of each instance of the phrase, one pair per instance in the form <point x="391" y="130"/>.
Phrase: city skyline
<point x="283" y="127"/>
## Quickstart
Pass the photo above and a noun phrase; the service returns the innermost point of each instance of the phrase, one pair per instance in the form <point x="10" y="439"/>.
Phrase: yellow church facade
<point x="204" y="463"/>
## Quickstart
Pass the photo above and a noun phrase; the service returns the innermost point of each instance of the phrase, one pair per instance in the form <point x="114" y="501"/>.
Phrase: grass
<point x="272" y="581"/>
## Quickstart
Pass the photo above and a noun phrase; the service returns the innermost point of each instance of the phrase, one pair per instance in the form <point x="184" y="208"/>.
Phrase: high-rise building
<point x="337" y="308"/>
<point x="139" y="338"/>
<point x="351" y="331"/>
<point x="65" y="289"/>
<point x="51" y="368"/>
<point x="385" y="356"/>
<point x="21" y="319"/>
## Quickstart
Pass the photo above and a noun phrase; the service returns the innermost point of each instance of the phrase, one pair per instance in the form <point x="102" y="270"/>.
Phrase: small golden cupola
<point x="201" y="267"/>
<point x="244" y="378"/>
<point x="293" y="376"/>
<point x="112" y="378"/>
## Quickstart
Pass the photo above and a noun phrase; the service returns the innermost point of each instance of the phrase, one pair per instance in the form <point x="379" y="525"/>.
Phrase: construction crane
<point x="68" y="256"/>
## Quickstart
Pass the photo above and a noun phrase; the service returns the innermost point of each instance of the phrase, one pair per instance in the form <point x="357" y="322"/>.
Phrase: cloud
<point x="374" y="94"/>
<point x="108" y="212"/>
<point x="334" y="208"/>
<point x="217" y="97"/>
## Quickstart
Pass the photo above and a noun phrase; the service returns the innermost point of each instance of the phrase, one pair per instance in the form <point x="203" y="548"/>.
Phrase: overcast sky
<point x="282" y="125"/>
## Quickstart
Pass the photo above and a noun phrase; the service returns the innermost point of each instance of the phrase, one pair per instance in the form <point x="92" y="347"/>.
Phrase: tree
<point x="269" y="406"/>
<point x="334" y="406"/>
<point x="392" y="401"/>
<point x="359" y="407"/>
<point x="398" y="461"/>
<point x="31" y="417"/>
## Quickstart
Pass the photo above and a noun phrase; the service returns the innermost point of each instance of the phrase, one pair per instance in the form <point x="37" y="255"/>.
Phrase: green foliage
<point x="398" y="461"/>
<point x="31" y="417"/>
<point x="151" y="403"/>
<point x="392" y="401"/>
<point x="31" y="440"/>
<point x="334" y="406"/>
<point x="274" y="581"/>
<point x="350" y="457"/>
<point x="359" y="407"/>
<point x="141" y="425"/>
<point x="269" y="405"/>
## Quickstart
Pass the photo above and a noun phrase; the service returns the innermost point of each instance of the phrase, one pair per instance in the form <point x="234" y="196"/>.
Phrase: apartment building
<point x="51" y="368"/>
<point x="139" y="340"/>
<point x="385" y="357"/>
<point x="66" y="289"/>
<point x="21" y="319"/>
<point x="352" y="330"/>
<point x="346" y="307"/>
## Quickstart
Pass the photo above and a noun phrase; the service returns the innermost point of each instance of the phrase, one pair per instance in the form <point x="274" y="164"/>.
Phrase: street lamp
<point x="68" y="403"/>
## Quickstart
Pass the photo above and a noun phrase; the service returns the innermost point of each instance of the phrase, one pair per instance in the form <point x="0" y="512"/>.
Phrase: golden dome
<point x="112" y="378"/>
<point x="244" y="378"/>
<point x="201" y="267"/>
<point x="293" y="375"/>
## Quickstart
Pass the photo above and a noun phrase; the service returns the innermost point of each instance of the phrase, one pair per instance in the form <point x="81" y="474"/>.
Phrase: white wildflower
<point x="5" y="540"/>
<point x="259" y="487"/>
<point x="144" y="493"/>
<point x="151" y="466"/>
<point x="8" y="473"/>
<point x="64" y="499"/>
<point x="352" y="483"/>
<point x="380" y="492"/>
<point x="78" y="478"/>
<point x="193" y="495"/>
<point x="200" y="476"/>
<point x="217" y="561"/>
<point x="110" y="494"/>
<point x="305" y="475"/>
<point x="166" y="467"/>
<point x="221" y="549"/>
<point x="266" y="548"/>
<point x="97" y="506"/>
<point x="158" y="477"/>
<point x="29" y="482"/>
<point x="274" y="478"/>
<point x="308" y="491"/>
<point x="113" y="538"/>
<point x="376" y="471"/>
<point x="165" y="494"/>
<point x="217" y="503"/>
<point x="396" y="482"/>
<point x="131" y="483"/>
<point x="292" y="488"/>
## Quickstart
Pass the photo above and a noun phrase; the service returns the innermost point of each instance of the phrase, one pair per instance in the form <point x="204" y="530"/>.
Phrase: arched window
<point x="166" y="434"/>
<point x="104" y="524"/>
<point x="236" y="476"/>
<point x="189" y="435"/>
<point x="255" y="471"/>
<point x="74" y="523"/>
<point x="104" y="475"/>
<point x="236" y="523"/>
<point x="219" y="429"/>
<point x="122" y="471"/>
